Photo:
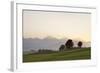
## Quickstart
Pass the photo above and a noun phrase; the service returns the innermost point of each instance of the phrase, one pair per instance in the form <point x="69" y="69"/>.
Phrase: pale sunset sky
<point x="40" y="24"/>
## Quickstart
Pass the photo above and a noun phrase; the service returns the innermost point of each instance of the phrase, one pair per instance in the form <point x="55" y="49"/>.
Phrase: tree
<point x="79" y="44"/>
<point x="62" y="47"/>
<point x="69" y="43"/>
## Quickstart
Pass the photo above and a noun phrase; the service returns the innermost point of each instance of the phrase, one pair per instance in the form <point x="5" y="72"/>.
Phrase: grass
<point x="73" y="54"/>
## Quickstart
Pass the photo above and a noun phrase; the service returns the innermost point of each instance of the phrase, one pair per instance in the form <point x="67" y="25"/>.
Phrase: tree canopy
<point x="69" y="43"/>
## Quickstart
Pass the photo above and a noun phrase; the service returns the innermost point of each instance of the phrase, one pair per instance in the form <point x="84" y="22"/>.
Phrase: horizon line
<point x="55" y="38"/>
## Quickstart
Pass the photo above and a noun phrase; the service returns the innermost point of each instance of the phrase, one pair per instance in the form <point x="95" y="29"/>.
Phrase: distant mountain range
<point x="47" y="43"/>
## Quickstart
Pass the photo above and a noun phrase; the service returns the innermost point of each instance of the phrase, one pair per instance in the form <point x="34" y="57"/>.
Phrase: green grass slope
<point x="74" y="54"/>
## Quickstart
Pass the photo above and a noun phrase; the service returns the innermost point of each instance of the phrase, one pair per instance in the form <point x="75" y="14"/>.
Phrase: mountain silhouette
<point x="49" y="42"/>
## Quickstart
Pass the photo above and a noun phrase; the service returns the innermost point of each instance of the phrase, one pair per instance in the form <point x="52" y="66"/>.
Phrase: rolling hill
<point x="74" y="54"/>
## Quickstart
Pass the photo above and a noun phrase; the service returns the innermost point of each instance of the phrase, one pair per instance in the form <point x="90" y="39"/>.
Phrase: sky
<point x="41" y="24"/>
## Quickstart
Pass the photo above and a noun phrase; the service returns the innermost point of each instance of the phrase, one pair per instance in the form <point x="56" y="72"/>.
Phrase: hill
<point x="74" y="54"/>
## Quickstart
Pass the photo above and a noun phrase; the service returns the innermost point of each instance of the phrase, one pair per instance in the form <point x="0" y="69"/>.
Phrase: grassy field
<point x="74" y="54"/>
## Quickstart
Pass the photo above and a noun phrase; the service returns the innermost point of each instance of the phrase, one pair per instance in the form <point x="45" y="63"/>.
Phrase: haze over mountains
<point x="50" y="43"/>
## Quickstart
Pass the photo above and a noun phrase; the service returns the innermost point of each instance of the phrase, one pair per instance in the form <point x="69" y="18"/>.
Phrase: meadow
<point x="72" y="54"/>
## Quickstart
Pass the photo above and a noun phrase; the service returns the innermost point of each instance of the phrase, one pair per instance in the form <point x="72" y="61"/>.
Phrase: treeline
<point x="69" y="45"/>
<point x="45" y="51"/>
